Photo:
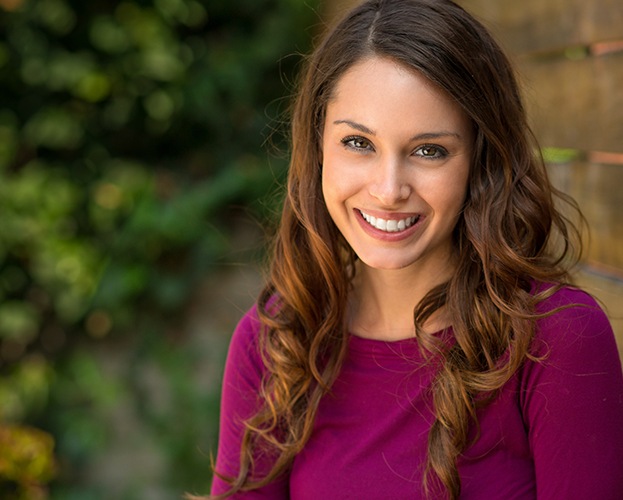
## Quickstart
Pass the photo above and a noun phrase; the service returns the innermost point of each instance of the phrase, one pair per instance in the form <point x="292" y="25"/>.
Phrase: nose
<point x="389" y="184"/>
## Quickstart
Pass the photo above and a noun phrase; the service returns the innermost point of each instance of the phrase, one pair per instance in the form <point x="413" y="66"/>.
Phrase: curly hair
<point x="510" y="236"/>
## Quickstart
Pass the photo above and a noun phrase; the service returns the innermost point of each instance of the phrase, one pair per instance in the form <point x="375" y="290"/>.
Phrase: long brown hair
<point x="504" y="240"/>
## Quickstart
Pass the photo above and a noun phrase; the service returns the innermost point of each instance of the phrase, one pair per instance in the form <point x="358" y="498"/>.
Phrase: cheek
<point x="328" y="186"/>
<point x="457" y="199"/>
<point x="447" y="194"/>
<point x="332" y="183"/>
<point x="336" y="190"/>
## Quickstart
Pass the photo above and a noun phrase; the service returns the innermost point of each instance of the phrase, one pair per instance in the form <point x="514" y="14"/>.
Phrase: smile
<point x="391" y="225"/>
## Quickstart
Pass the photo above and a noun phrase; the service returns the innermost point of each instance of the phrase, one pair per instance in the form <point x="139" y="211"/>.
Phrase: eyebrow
<point x="417" y="137"/>
<point x="356" y="126"/>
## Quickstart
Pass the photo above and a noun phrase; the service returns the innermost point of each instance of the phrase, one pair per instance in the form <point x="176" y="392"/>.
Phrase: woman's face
<point x="396" y="155"/>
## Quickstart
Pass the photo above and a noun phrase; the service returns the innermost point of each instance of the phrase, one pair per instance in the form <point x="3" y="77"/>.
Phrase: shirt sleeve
<point x="572" y="403"/>
<point x="240" y="400"/>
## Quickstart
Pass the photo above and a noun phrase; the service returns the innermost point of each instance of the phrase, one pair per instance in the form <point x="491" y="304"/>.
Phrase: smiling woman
<point x="418" y="336"/>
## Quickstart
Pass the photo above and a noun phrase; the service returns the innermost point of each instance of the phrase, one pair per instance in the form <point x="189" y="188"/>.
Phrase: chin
<point x="386" y="264"/>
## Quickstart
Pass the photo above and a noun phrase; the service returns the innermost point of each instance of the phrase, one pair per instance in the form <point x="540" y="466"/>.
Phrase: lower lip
<point x="387" y="236"/>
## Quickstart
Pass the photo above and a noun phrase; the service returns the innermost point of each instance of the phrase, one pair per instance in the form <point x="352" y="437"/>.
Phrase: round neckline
<point x="400" y="347"/>
<point x="359" y="338"/>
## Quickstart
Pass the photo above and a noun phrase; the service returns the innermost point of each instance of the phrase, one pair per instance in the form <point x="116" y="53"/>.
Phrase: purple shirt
<point x="555" y="431"/>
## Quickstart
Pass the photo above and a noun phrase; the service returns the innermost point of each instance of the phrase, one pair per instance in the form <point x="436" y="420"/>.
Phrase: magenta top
<point x="554" y="432"/>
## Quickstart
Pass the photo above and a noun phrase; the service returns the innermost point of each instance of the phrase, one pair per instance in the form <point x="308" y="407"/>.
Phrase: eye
<point x="357" y="143"/>
<point x="431" y="151"/>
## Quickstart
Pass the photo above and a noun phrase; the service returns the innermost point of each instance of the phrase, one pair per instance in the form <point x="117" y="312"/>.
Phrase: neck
<point x="382" y="302"/>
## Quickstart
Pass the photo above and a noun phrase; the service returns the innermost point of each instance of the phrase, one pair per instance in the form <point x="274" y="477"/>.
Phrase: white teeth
<point x="392" y="225"/>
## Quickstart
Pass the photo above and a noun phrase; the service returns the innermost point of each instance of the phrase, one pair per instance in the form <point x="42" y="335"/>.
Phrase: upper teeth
<point x="392" y="225"/>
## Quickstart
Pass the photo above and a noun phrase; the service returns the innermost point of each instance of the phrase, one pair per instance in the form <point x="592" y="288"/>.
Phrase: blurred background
<point x="142" y="147"/>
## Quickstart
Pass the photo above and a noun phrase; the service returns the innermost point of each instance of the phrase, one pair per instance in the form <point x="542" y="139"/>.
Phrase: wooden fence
<point x="569" y="55"/>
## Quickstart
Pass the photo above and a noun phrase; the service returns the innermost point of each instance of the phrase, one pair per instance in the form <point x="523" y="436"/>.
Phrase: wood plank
<point x="597" y="189"/>
<point x="538" y="25"/>
<point x="576" y="103"/>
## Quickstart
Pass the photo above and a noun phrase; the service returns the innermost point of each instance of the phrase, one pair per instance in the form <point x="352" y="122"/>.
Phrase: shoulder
<point x="248" y="328"/>
<point x="571" y="399"/>
<point x="565" y="297"/>
<point x="247" y="340"/>
<point x="574" y="360"/>
<point x="244" y="355"/>
<point x="574" y="333"/>
<point x="571" y="313"/>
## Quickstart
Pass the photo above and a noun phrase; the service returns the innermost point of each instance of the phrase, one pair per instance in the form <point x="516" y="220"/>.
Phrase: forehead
<point x="380" y="91"/>
<point x="376" y="72"/>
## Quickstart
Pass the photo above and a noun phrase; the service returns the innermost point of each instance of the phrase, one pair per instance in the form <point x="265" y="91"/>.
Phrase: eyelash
<point x="349" y="142"/>
<point x="441" y="152"/>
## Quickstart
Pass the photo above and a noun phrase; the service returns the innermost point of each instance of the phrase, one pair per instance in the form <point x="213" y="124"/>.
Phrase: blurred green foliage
<point x="132" y="135"/>
<point x="26" y="462"/>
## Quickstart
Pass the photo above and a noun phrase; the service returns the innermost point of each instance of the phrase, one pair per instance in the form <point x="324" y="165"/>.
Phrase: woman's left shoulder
<point x="571" y="399"/>
<point x="569" y="303"/>
<point x="563" y="296"/>
<point x="572" y="318"/>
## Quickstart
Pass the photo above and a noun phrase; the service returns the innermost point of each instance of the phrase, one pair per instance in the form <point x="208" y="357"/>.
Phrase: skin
<point x="397" y="148"/>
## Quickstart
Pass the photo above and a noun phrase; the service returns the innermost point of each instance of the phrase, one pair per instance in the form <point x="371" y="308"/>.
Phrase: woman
<point x="417" y="337"/>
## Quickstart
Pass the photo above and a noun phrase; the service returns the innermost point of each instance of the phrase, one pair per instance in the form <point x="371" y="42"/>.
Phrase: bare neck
<point x="382" y="302"/>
